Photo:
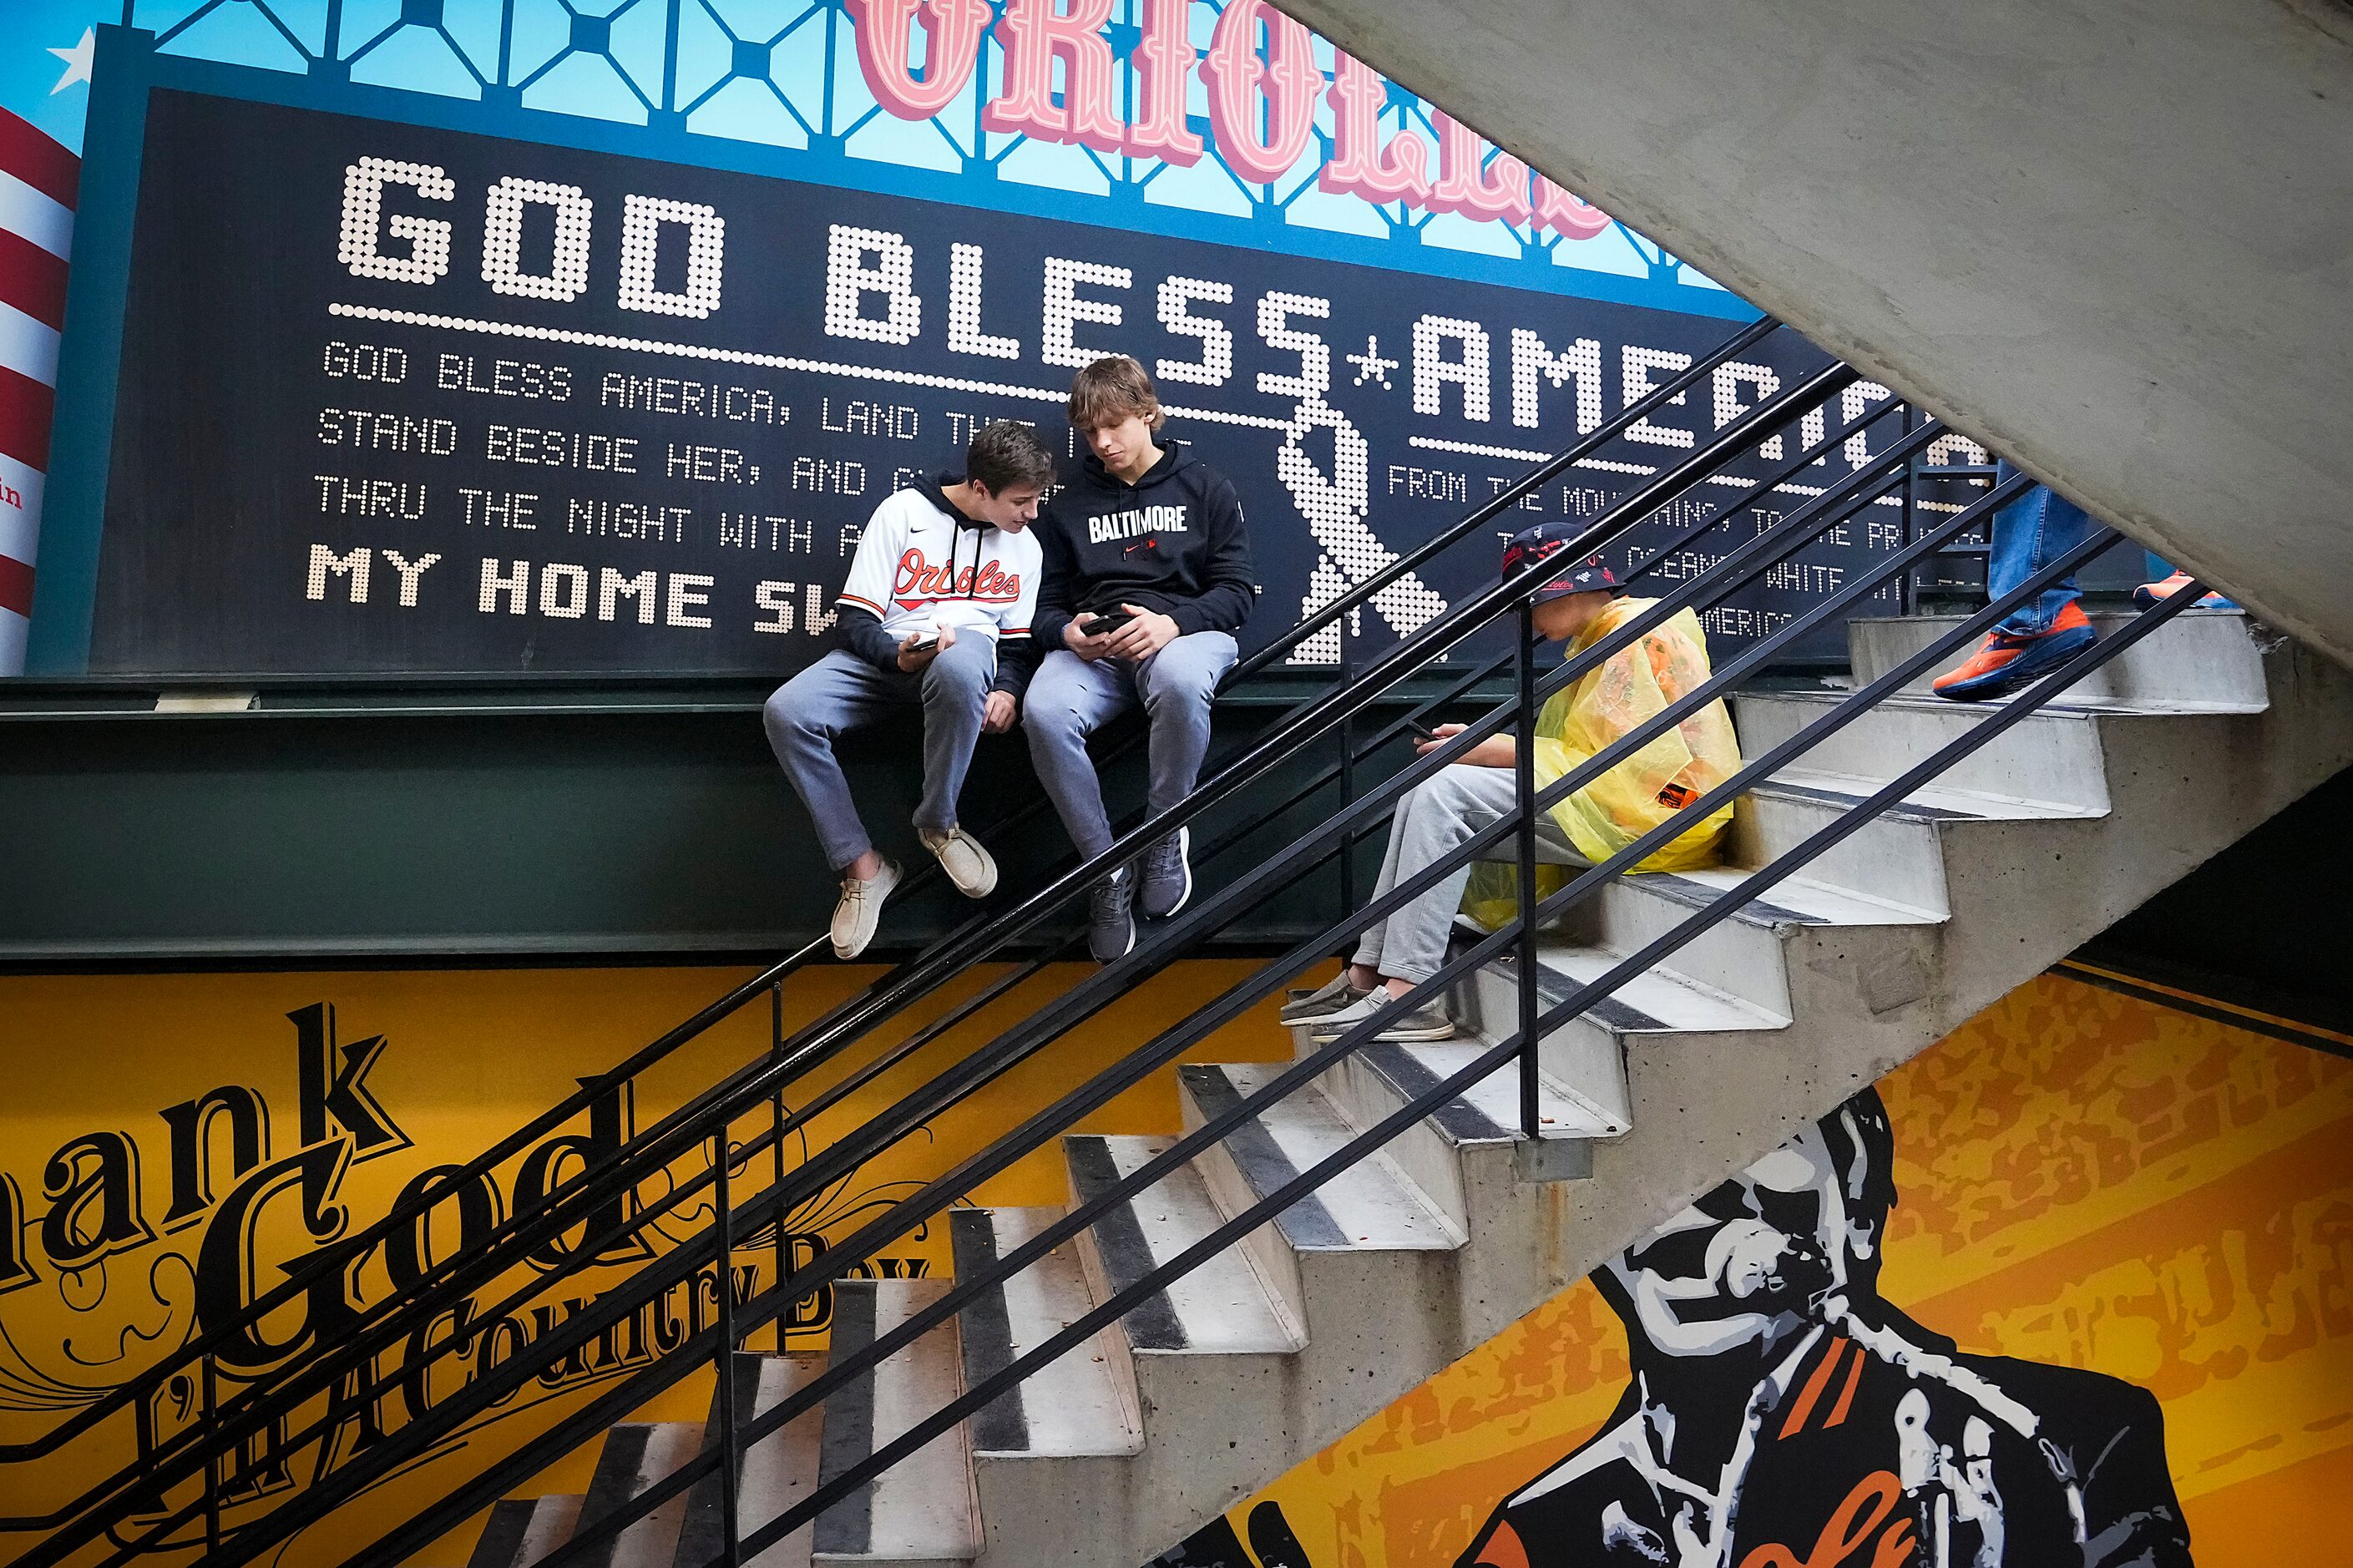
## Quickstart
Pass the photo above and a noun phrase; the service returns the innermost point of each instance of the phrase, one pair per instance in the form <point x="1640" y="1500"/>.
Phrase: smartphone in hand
<point x="1420" y="732"/>
<point x="922" y="644"/>
<point x="1107" y="622"/>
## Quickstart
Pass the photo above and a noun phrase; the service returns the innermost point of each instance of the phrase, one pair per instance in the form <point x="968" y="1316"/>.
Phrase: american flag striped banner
<point x="38" y="176"/>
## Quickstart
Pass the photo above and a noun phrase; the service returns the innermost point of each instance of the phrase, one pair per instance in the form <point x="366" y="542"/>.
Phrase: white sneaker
<point x="968" y="866"/>
<point x="860" y="909"/>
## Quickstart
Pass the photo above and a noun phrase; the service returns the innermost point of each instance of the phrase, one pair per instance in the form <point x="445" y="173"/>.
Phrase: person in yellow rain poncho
<point x="1578" y="607"/>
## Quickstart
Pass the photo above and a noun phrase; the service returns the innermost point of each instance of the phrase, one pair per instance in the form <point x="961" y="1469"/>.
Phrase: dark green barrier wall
<point x="492" y="822"/>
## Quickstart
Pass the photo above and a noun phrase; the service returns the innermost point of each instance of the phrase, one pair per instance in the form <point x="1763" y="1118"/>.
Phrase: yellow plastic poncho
<point x="1640" y="792"/>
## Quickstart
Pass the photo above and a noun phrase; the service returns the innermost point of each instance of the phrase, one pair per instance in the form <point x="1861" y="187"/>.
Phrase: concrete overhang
<point x="2113" y="239"/>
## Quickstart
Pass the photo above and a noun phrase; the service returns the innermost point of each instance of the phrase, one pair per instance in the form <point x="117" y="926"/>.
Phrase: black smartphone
<point x="922" y="644"/>
<point x="1420" y="732"/>
<point x="1108" y="621"/>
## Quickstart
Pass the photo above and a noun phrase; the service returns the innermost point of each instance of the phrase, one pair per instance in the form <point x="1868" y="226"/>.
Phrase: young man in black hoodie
<point x="1147" y="578"/>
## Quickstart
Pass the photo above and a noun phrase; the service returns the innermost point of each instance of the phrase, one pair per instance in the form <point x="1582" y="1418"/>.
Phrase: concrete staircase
<point x="1387" y="1274"/>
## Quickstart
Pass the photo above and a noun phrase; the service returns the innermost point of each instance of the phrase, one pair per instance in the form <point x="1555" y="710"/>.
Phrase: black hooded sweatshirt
<point x="1172" y="542"/>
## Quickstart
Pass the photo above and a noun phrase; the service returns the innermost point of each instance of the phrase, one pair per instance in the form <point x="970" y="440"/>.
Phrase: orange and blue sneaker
<point x="2149" y="595"/>
<point x="2004" y="663"/>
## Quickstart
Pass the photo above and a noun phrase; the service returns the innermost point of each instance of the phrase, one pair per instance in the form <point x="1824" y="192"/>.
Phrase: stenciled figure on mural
<point x="1783" y="1415"/>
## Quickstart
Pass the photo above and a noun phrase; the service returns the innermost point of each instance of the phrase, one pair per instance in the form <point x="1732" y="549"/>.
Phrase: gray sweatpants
<point x="1434" y="816"/>
<point x="1070" y="699"/>
<point x="841" y="692"/>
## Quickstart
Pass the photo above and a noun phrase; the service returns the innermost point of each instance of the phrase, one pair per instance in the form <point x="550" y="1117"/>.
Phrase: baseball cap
<point x="1544" y="540"/>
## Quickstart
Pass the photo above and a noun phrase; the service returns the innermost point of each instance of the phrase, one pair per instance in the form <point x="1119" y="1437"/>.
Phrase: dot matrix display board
<point x="399" y="399"/>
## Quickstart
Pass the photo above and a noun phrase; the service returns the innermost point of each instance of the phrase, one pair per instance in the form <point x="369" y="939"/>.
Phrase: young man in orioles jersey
<point x="935" y="616"/>
<point x="1782" y="1415"/>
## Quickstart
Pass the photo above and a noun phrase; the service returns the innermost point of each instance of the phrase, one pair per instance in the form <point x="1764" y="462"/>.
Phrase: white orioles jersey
<point x="919" y="567"/>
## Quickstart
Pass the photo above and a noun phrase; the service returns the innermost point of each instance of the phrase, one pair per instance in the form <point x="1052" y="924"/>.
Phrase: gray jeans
<point x="1070" y="699"/>
<point x="1434" y="816"/>
<point x="841" y="692"/>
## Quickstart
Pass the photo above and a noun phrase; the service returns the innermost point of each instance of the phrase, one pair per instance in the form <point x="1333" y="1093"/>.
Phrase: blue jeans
<point x="841" y="692"/>
<point x="2028" y="535"/>
<point x="1070" y="699"/>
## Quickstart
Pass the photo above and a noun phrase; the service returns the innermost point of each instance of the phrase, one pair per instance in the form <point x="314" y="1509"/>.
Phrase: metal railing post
<point x="1908" y="587"/>
<point x="212" y="1467"/>
<point x="1524" y="768"/>
<point x="725" y="1359"/>
<point x="1347" y="787"/>
<point x="783" y="1248"/>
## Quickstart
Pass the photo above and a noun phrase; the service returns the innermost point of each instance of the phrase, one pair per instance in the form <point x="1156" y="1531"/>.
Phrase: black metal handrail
<point x="1259" y="1212"/>
<point x="1860" y="488"/>
<point x="1288" y="1080"/>
<point x="845" y="1023"/>
<point x="1784" y="410"/>
<point x="1880" y="465"/>
<point x="1632" y="514"/>
<point x="1718" y="516"/>
<point x="135" y="1393"/>
<point x="1020" y="1140"/>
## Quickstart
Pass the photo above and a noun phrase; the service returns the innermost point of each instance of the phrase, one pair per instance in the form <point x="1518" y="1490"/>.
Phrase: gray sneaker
<point x="1167" y="879"/>
<point x="1307" y="1006"/>
<point x="860" y="909"/>
<point x="1407" y="1025"/>
<point x="1111" y="922"/>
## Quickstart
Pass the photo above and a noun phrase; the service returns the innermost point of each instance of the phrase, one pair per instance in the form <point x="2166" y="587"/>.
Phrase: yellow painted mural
<point x="170" y="1145"/>
<point x="2133" y="1225"/>
<point x="2108" y="1236"/>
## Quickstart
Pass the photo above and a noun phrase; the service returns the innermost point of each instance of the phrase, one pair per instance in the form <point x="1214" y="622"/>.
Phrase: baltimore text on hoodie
<point x="1172" y="542"/>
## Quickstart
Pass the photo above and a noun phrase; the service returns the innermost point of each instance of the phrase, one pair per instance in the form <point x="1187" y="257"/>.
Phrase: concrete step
<point x="521" y="1531"/>
<point x="2052" y="758"/>
<point x="2208" y="658"/>
<point x="1222" y="1307"/>
<point x="922" y="1512"/>
<point x="772" y="1475"/>
<point x="1085" y="1402"/>
<point x="1216" y="1351"/>
<point x="1653" y="1007"/>
<point x="1473" y="1136"/>
<point x="1058" y="1445"/>
<point x="1587" y="1055"/>
<point x="1368" y="1205"/>
<point x="1371" y="1210"/>
<point x="1897" y="857"/>
<point x="1745" y="955"/>
<point x="636" y="1455"/>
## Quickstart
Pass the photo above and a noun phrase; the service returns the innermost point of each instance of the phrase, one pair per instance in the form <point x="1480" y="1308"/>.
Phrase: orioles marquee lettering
<point x="1263" y="84"/>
